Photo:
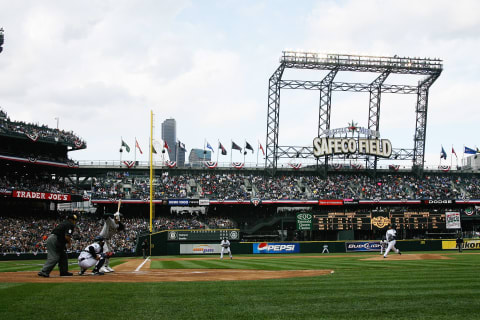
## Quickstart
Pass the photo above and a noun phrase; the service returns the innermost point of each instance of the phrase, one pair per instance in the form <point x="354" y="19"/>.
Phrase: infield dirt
<point x="133" y="271"/>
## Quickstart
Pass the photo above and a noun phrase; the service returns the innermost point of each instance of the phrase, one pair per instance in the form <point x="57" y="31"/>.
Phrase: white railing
<point x="114" y="164"/>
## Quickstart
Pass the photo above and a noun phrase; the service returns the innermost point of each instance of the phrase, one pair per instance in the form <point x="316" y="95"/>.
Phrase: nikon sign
<point x="329" y="146"/>
<point x="304" y="221"/>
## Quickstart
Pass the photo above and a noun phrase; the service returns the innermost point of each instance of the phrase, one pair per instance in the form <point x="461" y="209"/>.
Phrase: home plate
<point x="198" y="272"/>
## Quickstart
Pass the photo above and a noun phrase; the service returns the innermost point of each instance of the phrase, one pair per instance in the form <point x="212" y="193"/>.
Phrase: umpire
<point x="144" y="248"/>
<point x="56" y="248"/>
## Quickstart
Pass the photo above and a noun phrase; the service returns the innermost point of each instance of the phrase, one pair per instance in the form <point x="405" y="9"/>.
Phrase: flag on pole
<point x="210" y="147"/>
<point x="165" y="146"/>
<point x="220" y="146"/>
<point x="138" y="146"/>
<point x="453" y="152"/>
<point x="124" y="144"/>
<point x="236" y="147"/>
<point x="182" y="146"/>
<point x="443" y="154"/>
<point x="248" y="146"/>
<point x="469" y="151"/>
<point x="261" y="148"/>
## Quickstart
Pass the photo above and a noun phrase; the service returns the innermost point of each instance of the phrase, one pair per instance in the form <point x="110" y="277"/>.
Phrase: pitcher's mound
<point x="420" y="256"/>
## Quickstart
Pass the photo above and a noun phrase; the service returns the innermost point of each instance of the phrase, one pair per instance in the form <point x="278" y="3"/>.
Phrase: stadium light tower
<point x="1" y="39"/>
<point x="382" y="66"/>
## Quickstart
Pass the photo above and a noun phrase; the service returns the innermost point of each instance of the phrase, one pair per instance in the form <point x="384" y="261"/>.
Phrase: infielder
<point x="225" y="248"/>
<point x="92" y="256"/>
<point x="111" y="226"/>
<point x="391" y="236"/>
<point x="383" y="245"/>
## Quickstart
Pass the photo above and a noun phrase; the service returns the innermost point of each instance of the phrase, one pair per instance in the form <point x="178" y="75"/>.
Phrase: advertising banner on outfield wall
<point x="362" y="246"/>
<point x="194" y="248"/>
<point x="267" y="247"/>
<point x="467" y="245"/>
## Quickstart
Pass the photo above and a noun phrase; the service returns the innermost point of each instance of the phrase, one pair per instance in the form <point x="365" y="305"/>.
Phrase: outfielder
<point x="392" y="240"/>
<point x="92" y="256"/>
<point x="111" y="226"/>
<point x="225" y="248"/>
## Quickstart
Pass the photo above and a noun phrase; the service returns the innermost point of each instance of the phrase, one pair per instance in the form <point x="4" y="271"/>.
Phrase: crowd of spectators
<point x="231" y="186"/>
<point x="237" y="186"/>
<point x="282" y="187"/>
<point x="29" y="234"/>
<point x="226" y="186"/>
<point x="40" y="131"/>
<point x="34" y="182"/>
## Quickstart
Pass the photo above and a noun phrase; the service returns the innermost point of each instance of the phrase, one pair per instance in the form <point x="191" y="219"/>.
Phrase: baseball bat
<point x="119" y="204"/>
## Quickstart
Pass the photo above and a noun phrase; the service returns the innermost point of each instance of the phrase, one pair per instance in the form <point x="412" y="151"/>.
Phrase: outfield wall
<point x="161" y="246"/>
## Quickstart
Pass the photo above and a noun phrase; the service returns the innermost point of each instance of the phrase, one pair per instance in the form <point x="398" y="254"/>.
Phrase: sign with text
<point x="304" y="221"/>
<point x="194" y="248"/>
<point x="453" y="220"/>
<point x="41" y="195"/>
<point x="329" y="202"/>
<point x="266" y="247"/>
<point x="362" y="246"/>
<point x="330" y="146"/>
<point x="466" y="245"/>
<point x="203" y="235"/>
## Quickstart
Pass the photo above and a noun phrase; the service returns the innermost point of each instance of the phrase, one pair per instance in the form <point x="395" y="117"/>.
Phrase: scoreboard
<point x="343" y="221"/>
<point x="419" y="220"/>
<point x="203" y="235"/>
<point x="378" y="220"/>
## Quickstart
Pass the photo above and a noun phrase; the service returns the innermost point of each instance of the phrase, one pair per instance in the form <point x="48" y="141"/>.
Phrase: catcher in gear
<point x="111" y="226"/>
<point x="92" y="256"/>
<point x="225" y="248"/>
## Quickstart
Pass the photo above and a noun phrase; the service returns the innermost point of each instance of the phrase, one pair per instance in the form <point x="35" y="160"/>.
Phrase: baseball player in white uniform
<point x="391" y="236"/>
<point x="225" y="248"/>
<point x="111" y="226"/>
<point x="383" y="245"/>
<point x="92" y="256"/>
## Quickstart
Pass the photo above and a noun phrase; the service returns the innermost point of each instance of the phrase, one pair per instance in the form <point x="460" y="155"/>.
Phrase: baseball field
<point x="423" y="285"/>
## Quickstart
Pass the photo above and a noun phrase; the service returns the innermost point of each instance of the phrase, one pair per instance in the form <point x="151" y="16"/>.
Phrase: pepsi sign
<point x="266" y="247"/>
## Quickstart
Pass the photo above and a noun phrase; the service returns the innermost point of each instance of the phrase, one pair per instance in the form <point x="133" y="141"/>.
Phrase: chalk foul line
<point x="141" y="265"/>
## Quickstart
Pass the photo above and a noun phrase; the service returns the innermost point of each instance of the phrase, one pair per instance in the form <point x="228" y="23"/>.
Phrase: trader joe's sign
<point x="41" y="195"/>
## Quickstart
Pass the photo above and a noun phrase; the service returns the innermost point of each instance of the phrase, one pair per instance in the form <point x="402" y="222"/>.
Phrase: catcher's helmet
<point x="98" y="239"/>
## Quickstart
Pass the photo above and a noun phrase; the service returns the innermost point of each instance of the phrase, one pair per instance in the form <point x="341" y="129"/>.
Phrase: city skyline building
<point x="169" y="134"/>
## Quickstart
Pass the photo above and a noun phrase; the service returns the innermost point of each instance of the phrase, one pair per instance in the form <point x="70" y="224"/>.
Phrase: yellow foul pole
<point x="151" y="170"/>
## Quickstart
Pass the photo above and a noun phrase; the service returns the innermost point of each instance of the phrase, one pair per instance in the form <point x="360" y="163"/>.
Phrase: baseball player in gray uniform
<point x="225" y="248"/>
<point x="111" y="226"/>
<point x="92" y="256"/>
<point x="391" y="236"/>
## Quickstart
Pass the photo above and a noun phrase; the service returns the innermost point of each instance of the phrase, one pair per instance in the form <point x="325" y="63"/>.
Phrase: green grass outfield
<point x="358" y="289"/>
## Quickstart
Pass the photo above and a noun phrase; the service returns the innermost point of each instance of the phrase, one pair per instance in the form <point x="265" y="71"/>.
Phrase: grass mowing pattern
<point x="359" y="289"/>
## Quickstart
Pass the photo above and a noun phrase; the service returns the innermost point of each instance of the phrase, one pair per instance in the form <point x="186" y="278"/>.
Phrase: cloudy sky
<point x="101" y="66"/>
